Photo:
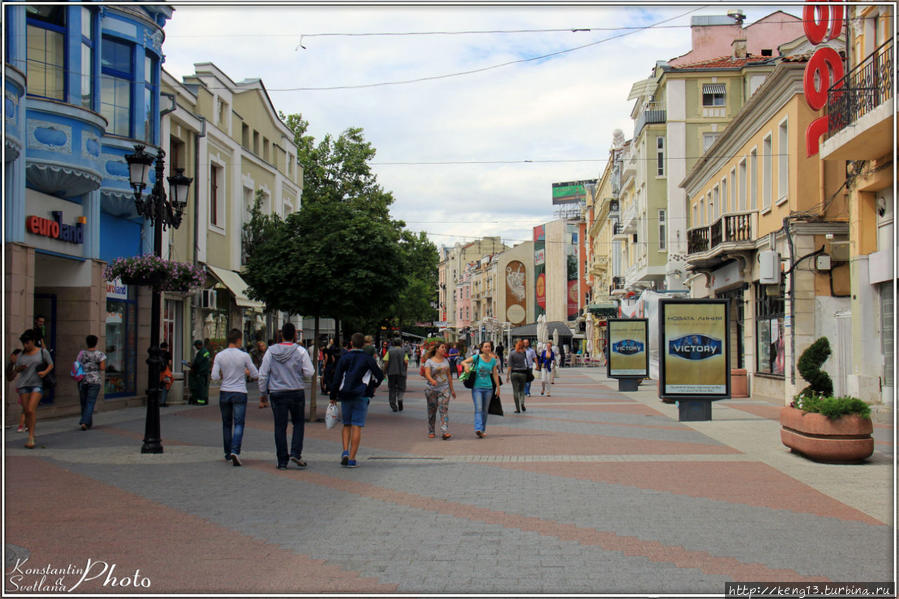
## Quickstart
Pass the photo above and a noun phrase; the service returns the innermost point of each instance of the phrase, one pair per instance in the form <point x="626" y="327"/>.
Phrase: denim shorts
<point x="354" y="411"/>
<point x="37" y="389"/>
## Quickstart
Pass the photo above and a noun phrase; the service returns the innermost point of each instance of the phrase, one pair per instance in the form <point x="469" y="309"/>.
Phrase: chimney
<point x="739" y="46"/>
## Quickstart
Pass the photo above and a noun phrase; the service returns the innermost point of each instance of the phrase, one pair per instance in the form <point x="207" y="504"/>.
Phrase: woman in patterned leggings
<point x="439" y="390"/>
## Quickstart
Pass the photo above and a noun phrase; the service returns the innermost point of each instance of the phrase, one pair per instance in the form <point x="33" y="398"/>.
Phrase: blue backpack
<point x="77" y="371"/>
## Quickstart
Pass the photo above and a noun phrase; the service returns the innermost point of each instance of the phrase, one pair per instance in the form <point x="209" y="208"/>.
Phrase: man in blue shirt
<point x="355" y="378"/>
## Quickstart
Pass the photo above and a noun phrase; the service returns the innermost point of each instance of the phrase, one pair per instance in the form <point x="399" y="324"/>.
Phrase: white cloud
<point x="565" y="107"/>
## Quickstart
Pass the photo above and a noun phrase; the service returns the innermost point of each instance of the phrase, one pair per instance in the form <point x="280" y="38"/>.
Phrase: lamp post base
<point x="151" y="446"/>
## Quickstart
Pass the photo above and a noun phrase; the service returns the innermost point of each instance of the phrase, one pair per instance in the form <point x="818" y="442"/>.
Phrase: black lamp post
<point x="161" y="212"/>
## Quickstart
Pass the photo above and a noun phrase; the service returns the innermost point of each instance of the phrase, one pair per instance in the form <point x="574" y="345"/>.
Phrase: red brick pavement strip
<point x="387" y="432"/>
<point x="178" y="552"/>
<point x="746" y="483"/>
<point x="681" y="557"/>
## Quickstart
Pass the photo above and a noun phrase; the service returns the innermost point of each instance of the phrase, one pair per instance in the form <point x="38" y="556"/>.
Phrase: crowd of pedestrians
<point x="349" y="376"/>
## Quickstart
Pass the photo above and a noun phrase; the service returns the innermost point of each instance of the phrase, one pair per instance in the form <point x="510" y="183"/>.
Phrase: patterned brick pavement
<point x="589" y="491"/>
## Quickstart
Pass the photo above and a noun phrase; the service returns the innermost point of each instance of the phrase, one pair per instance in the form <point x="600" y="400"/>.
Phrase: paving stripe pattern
<point x="588" y="492"/>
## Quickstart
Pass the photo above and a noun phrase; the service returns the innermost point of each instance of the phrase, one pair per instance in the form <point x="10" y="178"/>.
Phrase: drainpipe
<point x="786" y="230"/>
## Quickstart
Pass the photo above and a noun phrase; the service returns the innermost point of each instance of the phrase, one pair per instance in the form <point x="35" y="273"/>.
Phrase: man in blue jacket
<point x="281" y="380"/>
<point x="356" y="376"/>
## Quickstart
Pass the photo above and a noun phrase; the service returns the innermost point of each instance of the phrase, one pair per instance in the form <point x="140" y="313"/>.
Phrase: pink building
<point x="463" y="301"/>
<point x="714" y="34"/>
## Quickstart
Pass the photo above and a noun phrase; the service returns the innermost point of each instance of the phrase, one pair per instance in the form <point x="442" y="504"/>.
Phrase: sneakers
<point x="447" y="436"/>
<point x="524" y="409"/>
<point x="235" y="460"/>
<point x="298" y="461"/>
<point x="400" y="404"/>
<point x="344" y="458"/>
<point x="431" y="435"/>
<point x="21" y="429"/>
<point x="480" y="434"/>
<point x="351" y="464"/>
<point x="282" y="466"/>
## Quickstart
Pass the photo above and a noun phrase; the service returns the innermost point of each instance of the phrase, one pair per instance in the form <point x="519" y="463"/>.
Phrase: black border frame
<point x="663" y="341"/>
<point x="609" y="322"/>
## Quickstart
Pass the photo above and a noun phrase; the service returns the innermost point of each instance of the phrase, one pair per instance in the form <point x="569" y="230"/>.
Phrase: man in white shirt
<point x="232" y="365"/>
<point x="281" y="375"/>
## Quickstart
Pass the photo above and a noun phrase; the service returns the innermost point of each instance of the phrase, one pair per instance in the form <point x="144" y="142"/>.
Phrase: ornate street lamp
<point x="161" y="212"/>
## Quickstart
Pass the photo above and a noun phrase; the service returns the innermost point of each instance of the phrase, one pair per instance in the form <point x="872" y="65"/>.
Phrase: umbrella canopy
<point x="542" y="333"/>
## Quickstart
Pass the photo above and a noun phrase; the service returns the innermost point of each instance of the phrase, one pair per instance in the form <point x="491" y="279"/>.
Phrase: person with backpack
<point x="31" y="366"/>
<point x="545" y="365"/>
<point x="355" y="378"/>
<point x="281" y="375"/>
<point x="93" y="365"/>
<point x="198" y="379"/>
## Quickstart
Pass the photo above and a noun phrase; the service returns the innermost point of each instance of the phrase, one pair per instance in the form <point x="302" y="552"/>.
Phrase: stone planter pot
<point x="844" y="440"/>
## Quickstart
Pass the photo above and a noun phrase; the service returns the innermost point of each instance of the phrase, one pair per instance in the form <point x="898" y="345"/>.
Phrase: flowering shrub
<point x="165" y="275"/>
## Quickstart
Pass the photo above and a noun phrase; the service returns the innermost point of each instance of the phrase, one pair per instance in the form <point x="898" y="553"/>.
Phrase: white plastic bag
<point x="332" y="415"/>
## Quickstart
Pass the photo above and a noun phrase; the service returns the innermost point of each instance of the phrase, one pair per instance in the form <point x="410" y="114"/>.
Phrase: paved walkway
<point x="589" y="491"/>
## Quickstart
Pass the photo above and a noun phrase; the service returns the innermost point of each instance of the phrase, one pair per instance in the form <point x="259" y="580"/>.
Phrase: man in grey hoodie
<point x="281" y="381"/>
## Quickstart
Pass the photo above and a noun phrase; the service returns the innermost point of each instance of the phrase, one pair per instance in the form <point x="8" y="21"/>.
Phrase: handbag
<point x="468" y="378"/>
<point x="530" y="378"/>
<point x="496" y="406"/>
<point x="49" y="381"/>
<point x="331" y="415"/>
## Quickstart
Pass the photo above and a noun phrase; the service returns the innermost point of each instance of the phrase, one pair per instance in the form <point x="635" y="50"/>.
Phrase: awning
<point x="713" y="88"/>
<point x="605" y="309"/>
<point x="237" y="286"/>
<point x="647" y="87"/>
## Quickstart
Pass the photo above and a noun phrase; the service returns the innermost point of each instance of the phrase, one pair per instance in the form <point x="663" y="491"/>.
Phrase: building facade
<point x="82" y="88"/>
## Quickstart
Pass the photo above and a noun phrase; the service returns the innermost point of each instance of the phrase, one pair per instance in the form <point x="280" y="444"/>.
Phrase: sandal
<point x="30" y="445"/>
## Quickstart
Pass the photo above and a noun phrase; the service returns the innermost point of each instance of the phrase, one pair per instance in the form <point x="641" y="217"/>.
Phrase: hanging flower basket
<point x="164" y="275"/>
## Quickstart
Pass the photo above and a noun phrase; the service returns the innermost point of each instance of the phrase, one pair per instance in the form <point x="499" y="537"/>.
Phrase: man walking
<point x="531" y="359"/>
<point x="396" y="363"/>
<point x="231" y="366"/>
<point x="356" y="375"/>
<point x="281" y="381"/>
<point x="546" y="367"/>
<point x="199" y="375"/>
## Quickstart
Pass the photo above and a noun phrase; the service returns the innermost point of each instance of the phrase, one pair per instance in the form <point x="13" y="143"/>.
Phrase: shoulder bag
<point x="49" y="381"/>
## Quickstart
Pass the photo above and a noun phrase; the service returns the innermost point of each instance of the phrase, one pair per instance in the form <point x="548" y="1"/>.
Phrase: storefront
<point x="121" y="340"/>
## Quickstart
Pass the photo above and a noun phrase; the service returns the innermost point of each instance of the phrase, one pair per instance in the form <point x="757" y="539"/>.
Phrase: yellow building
<point x="768" y="229"/>
<point x="228" y="137"/>
<point x="862" y="124"/>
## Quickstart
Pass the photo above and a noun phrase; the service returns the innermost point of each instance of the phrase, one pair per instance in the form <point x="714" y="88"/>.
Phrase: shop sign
<point x="628" y="341"/>
<point x="116" y="290"/>
<point x="694" y="343"/>
<point x="55" y="229"/>
<point x="824" y="68"/>
<point x="727" y="275"/>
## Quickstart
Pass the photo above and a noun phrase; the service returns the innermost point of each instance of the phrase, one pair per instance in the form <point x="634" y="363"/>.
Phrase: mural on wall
<point x="516" y="293"/>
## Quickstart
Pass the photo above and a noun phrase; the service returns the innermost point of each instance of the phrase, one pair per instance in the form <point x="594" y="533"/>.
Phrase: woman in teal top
<point x="486" y="379"/>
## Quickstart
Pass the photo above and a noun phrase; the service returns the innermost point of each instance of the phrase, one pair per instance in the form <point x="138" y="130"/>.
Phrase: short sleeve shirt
<point x="90" y="363"/>
<point x="484" y="373"/>
<point x="440" y="373"/>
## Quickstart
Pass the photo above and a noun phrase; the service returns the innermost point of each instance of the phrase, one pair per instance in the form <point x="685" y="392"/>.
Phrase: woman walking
<point x="518" y="374"/>
<point x="30" y="366"/>
<point x="93" y="362"/>
<point x="485" y="368"/>
<point x="439" y="390"/>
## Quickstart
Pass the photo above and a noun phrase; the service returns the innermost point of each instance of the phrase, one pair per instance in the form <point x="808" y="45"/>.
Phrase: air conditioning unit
<point x="769" y="267"/>
<point x="208" y="299"/>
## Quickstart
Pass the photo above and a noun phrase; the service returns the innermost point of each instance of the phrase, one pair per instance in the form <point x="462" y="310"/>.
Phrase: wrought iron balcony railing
<point x="861" y="90"/>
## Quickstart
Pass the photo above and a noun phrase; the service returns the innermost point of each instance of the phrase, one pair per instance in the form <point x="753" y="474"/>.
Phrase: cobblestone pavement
<point x="588" y="491"/>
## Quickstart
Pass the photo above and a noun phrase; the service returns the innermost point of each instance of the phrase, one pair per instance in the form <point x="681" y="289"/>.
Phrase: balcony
<point x="630" y="218"/>
<point x="618" y="232"/>
<point x="731" y="232"/>
<point x="860" y="109"/>
<point x="649" y="116"/>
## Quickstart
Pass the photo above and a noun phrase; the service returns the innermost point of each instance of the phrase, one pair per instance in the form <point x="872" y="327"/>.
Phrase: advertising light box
<point x="694" y="344"/>
<point x="628" y="347"/>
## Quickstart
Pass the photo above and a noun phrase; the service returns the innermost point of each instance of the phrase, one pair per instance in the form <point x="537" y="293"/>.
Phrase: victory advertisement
<point x="695" y="351"/>
<point x="628" y="348"/>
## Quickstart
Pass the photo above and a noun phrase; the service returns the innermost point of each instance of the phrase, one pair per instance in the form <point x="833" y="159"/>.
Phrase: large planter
<point x="842" y="440"/>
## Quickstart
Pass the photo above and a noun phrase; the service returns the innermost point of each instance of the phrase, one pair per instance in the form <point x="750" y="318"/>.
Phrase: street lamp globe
<point x="139" y="165"/>
<point x="179" y="186"/>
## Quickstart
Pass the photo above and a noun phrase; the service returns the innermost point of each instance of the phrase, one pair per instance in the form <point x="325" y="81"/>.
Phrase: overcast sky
<point x="560" y="108"/>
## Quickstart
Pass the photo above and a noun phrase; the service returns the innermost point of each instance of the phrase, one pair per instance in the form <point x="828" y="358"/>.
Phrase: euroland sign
<point x="55" y="229"/>
<point x="824" y="64"/>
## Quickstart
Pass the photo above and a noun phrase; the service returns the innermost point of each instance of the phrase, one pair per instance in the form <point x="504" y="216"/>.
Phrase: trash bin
<point x="739" y="382"/>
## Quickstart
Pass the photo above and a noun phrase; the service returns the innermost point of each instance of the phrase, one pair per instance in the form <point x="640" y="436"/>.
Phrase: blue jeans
<point x="290" y="404"/>
<point x="163" y="394"/>
<point x="88" y="393"/>
<point x="481" y="398"/>
<point x="233" y="405"/>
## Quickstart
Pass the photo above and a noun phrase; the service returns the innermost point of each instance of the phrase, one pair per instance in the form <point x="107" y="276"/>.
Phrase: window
<point x="115" y="86"/>
<point x="710" y="218"/>
<point x="245" y="136"/>
<point x="695" y="215"/>
<point x="743" y="183"/>
<point x="732" y="190"/>
<point x="663" y="236"/>
<point x="767" y="165"/>
<point x="753" y="179"/>
<point x="783" y="162"/>
<point x="265" y="148"/>
<point x="769" y="318"/>
<point x="171" y="330"/>
<point x="716" y="198"/>
<point x="121" y="351"/>
<point x="215" y="196"/>
<point x="46" y="56"/>
<point x="223" y="111"/>
<point x="660" y="156"/>
<point x="150" y="96"/>
<point x="256" y="142"/>
<point x="707" y="140"/>
<point x="701" y="220"/>
<point x="87" y="58"/>
<point x="713" y="94"/>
